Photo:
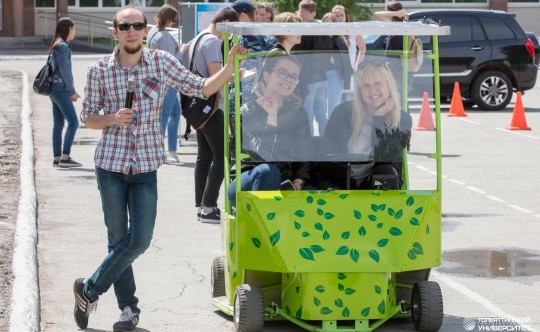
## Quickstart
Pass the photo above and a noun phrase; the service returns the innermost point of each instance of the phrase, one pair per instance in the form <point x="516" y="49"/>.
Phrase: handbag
<point x="198" y="111"/>
<point x="43" y="80"/>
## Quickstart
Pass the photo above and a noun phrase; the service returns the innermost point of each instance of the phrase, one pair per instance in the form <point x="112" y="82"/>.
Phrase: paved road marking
<point x="517" y="133"/>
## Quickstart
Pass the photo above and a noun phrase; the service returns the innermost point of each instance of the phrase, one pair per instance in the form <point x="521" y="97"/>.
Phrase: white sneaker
<point x="172" y="158"/>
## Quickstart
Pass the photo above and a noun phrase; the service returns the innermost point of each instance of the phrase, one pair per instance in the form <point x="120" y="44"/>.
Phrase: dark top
<point x="387" y="144"/>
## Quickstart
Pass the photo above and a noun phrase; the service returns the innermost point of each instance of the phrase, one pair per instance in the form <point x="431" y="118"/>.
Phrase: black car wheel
<point x="427" y="306"/>
<point x="248" y="314"/>
<point x="492" y="90"/>
<point x="217" y="281"/>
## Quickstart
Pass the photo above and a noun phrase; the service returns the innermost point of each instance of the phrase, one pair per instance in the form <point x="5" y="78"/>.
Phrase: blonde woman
<point x="371" y="125"/>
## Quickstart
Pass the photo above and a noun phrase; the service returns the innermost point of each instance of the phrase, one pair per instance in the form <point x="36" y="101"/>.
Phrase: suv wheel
<point x="492" y="91"/>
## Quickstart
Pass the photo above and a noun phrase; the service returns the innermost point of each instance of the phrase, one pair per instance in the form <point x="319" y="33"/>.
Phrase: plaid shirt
<point x="105" y="90"/>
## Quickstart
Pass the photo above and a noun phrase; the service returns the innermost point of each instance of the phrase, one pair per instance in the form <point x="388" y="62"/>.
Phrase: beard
<point x="132" y="50"/>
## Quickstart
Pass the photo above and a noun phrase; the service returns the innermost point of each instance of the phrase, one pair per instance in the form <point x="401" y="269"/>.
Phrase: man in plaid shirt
<point x="129" y="152"/>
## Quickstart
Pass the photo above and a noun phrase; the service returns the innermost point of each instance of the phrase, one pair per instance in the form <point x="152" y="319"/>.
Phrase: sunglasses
<point x="284" y="74"/>
<point x="126" y="26"/>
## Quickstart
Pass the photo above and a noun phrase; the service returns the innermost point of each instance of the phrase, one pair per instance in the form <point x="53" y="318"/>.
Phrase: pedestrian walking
<point x="63" y="94"/>
<point x="129" y="153"/>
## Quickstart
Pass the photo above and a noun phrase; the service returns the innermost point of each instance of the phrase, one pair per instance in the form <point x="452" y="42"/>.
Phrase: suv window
<point x="464" y="29"/>
<point x="496" y="29"/>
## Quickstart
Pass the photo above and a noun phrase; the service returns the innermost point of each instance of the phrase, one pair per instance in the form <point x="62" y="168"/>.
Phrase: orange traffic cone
<point x="456" y="106"/>
<point x="425" y="120"/>
<point x="518" y="116"/>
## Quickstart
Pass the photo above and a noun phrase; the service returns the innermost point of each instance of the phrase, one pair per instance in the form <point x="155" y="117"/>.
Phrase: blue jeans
<point x="129" y="204"/>
<point x="315" y="105"/>
<point x="209" y="164"/>
<point x="261" y="177"/>
<point x="334" y="91"/>
<point x="63" y="110"/>
<point x="170" y="117"/>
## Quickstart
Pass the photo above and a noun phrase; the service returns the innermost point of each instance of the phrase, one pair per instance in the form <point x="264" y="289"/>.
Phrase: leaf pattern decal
<point x="357" y="214"/>
<point x="343" y="196"/>
<point x="419" y="211"/>
<point x="297" y="225"/>
<point x="338" y="303"/>
<point x="320" y="212"/>
<point x="365" y="312"/>
<point x="326" y="311"/>
<point x="382" y="207"/>
<point x="248" y="207"/>
<point x="374" y="255"/>
<point x="306" y="253"/>
<point x="395" y="231"/>
<point x="321" y="202"/>
<point x="345" y="235"/>
<point x="299" y="313"/>
<point x="326" y="235"/>
<point x="278" y="198"/>
<point x="372" y="217"/>
<point x="427" y="229"/>
<point x="256" y="242"/>
<point x="414" y="221"/>
<point x="274" y="238"/>
<point x="320" y="289"/>
<point x="309" y="199"/>
<point x="378" y="289"/>
<point x="316" y="248"/>
<point x="297" y="289"/>
<point x="234" y="275"/>
<point x="345" y="312"/>
<point x="391" y="212"/>
<point x="271" y="216"/>
<point x="299" y="213"/>
<point x="410" y="201"/>
<point x="316" y="301"/>
<point x="319" y="226"/>
<point x="382" y="307"/>
<point x="350" y="291"/>
<point x="417" y="248"/>
<point x="328" y="216"/>
<point x="341" y="276"/>
<point x="382" y="243"/>
<point x="340" y="287"/>
<point x="354" y="255"/>
<point x="374" y="207"/>
<point x="380" y="225"/>
<point x="231" y="246"/>
<point x="305" y="234"/>
<point x="362" y="231"/>
<point x="343" y="250"/>
<point x="399" y="214"/>
<point x="411" y="255"/>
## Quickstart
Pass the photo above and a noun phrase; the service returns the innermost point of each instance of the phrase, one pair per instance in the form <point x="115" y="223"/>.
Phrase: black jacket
<point x="387" y="145"/>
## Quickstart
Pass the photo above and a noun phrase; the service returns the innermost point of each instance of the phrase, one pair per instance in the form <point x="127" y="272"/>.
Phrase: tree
<point x="356" y="9"/>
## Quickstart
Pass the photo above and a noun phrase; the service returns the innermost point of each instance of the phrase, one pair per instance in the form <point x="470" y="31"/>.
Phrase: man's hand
<point x="236" y="49"/>
<point x="123" y="117"/>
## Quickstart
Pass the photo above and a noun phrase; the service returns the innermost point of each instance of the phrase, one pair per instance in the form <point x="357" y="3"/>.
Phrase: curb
<point x="24" y="315"/>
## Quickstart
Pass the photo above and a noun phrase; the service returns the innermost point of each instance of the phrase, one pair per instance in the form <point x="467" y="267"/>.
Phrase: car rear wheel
<point x="492" y="90"/>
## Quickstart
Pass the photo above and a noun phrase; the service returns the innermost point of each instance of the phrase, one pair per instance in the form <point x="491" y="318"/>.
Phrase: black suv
<point x="487" y="53"/>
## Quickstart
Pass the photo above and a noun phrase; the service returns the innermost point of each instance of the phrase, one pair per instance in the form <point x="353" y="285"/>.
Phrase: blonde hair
<point x="329" y="16"/>
<point x="372" y="71"/>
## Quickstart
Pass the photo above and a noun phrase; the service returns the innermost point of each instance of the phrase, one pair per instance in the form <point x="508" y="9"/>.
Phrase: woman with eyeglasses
<point x="275" y="129"/>
<point x="63" y="94"/>
<point x="371" y="125"/>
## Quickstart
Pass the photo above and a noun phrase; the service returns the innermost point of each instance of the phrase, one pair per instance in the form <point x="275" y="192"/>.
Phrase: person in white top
<point x="356" y="44"/>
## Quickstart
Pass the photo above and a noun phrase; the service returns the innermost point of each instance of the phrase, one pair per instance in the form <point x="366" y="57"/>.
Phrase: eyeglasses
<point x="126" y="26"/>
<point x="284" y="74"/>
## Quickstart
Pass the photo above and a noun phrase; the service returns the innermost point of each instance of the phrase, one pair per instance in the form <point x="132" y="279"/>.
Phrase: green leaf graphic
<point x="378" y="289"/>
<point x="411" y="255"/>
<point x="316" y="301"/>
<point x="374" y="255"/>
<point x="297" y="225"/>
<point x="350" y="291"/>
<point x="288" y="310"/>
<point x="382" y="243"/>
<point x="321" y="202"/>
<point x="326" y="311"/>
<point x="319" y="226"/>
<point x="299" y="313"/>
<point x="256" y="242"/>
<point x="274" y="238"/>
<point x="271" y="216"/>
<point x="234" y="275"/>
<point x="343" y="250"/>
<point x="320" y="212"/>
<point x="306" y="253"/>
<point x="309" y="199"/>
<point x="320" y="289"/>
<point x="365" y="312"/>
<point x="316" y="248"/>
<point x="354" y="255"/>
<point x="410" y="201"/>
<point x="382" y="307"/>
<point x="305" y="234"/>
<point x="399" y="214"/>
<point x="414" y="221"/>
<point x="300" y="213"/>
<point x="248" y="207"/>
<point x="419" y="210"/>
<point x="328" y="216"/>
<point x="395" y="231"/>
<point x="417" y="248"/>
<point x="297" y="289"/>
<point x="345" y="235"/>
<point x="382" y="207"/>
<point x="343" y="196"/>
<point x="338" y="303"/>
<point x="345" y="312"/>
<point x="362" y="231"/>
<point x="374" y="207"/>
<point x="231" y="246"/>
<point x="391" y="212"/>
<point x="372" y="217"/>
<point x="278" y="198"/>
<point x="340" y="287"/>
<point x="357" y="214"/>
<point x="427" y="229"/>
<point x="341" y="276"/>
<point x="326" y="235"/>
<point x="380" y="225"/>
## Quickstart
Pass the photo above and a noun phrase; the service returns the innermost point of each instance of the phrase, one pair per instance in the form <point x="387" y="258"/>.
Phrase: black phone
<point x="286" y="185"/>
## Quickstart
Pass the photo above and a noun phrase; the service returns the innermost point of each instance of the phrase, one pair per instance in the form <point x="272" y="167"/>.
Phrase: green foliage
<point x="356" y="9"/>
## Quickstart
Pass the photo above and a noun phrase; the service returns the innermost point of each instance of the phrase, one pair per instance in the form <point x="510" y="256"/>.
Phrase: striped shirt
<point x="105" y="91"/>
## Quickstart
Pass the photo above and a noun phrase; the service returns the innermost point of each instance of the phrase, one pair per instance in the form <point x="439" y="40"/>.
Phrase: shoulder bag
<point x="43" y="80"/>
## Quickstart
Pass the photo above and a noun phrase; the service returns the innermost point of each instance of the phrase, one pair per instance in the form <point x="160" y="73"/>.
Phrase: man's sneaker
<point x="199" y="211"/>
<point x="56" y="163"/>
<point x="65" y="163"/>
<point x="83" y="306"/>
<point x="127" y="321"/>
<point x="210" y="215"/>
